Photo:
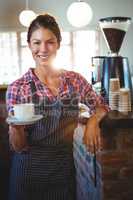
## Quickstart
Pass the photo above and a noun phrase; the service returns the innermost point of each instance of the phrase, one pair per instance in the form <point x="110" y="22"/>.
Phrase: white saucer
<point x="13" y="120"/>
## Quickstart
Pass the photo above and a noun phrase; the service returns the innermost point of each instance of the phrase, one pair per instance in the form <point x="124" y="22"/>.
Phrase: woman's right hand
<point x="17" y="138"/>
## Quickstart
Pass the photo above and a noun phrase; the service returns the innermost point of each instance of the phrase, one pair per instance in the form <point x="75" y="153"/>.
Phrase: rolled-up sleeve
<point x="88" y="96"/>
<point x="12" y="97"/>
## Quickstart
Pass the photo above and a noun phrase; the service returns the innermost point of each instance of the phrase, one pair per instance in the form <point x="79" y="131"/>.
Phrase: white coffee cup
<point x="24" y="111"/>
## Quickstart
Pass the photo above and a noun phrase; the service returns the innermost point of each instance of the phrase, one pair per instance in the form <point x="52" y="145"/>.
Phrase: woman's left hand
<point x="92" y="135"/>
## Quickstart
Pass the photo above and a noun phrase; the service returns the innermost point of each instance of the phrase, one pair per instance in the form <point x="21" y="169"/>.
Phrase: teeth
<point x="43" y="56"/>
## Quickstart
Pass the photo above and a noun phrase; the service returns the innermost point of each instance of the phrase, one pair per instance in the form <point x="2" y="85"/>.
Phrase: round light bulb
<point x="79" y="14"/>
<point x="26" y="17"/>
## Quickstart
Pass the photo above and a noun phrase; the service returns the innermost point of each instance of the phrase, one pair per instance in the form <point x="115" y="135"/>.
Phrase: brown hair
<point x="46" y="21"/>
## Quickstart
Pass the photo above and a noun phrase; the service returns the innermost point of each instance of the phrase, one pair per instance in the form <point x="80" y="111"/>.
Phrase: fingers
<point x="88" y="140"/>
<point x="92" y="139"/>
<point x="97" y="139"/>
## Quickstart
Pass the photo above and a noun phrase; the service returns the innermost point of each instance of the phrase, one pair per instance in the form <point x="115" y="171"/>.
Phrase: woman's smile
<point x="43" y="57"/>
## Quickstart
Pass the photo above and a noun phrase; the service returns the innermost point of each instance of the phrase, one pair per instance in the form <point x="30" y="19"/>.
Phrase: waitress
<point x="42" y="163"/>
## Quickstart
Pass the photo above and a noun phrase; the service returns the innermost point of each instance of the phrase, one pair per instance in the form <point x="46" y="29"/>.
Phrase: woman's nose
<point x="43" y="47"/>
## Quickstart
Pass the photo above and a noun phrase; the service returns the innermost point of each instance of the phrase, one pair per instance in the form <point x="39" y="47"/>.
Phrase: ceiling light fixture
<point x="79" y="14"/>
<point x="26" y="16"/>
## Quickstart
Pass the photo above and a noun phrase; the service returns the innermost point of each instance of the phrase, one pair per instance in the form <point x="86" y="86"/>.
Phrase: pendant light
<point x="26" y="16"/>
<point x="79" y="14"/>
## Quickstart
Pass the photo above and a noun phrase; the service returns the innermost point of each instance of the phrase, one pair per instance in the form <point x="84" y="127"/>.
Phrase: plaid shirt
<point x="20" y="92"/>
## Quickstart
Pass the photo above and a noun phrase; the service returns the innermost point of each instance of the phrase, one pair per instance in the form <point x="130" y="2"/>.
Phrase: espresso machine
<point x="113" y="65"/>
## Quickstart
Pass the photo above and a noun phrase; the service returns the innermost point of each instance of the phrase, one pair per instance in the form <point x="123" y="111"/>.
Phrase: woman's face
<point x="43" y="45"/>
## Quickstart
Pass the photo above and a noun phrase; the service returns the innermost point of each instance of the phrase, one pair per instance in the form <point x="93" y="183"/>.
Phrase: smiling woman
<point x="42" y="162"/>
<point x="46" y="169"/>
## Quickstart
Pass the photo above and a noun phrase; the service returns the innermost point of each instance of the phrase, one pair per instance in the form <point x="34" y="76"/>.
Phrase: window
<point x="85" y="45"/>
<point x="9" y="69"/>
<point x="75" y="53"/>
<point x="26" y="57"/>
<point x="64" y="57"/>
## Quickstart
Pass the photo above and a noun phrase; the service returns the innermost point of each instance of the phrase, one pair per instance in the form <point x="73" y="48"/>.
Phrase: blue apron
<point x="46" y="171"/>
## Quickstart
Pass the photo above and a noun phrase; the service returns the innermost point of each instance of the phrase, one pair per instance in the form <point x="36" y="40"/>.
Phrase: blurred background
<point x="78" y="45"/>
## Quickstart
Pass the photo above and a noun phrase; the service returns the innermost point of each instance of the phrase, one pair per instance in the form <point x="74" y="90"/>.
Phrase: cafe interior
<point x="97" y="42"/>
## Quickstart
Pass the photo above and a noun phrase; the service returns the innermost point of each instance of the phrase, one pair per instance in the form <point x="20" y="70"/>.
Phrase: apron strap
<point x="34" y="96"/>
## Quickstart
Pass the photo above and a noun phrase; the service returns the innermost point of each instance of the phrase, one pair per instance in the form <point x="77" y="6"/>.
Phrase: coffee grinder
<point x="113" y="65"/>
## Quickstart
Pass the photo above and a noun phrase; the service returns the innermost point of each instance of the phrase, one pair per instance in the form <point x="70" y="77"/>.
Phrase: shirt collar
<point x="30" y="76"/>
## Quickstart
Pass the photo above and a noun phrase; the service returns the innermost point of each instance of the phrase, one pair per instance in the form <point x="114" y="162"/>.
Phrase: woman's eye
<point x="36" y="43"/>
<point x="51" y="42"/>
